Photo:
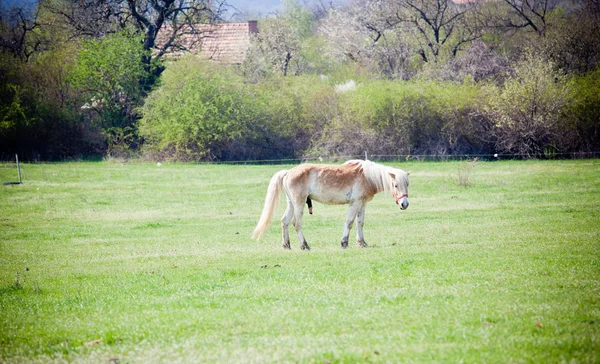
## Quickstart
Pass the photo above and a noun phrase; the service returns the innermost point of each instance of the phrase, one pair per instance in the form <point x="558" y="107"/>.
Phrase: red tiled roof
<point x="226" y="42"/>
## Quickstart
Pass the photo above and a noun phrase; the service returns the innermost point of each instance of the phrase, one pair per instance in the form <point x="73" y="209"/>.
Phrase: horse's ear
<point x="392" y="175"/>
<point x="409" y="172"/>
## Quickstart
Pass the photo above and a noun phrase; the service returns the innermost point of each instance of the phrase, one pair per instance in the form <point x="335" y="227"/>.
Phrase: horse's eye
<point x="396" y="186"/>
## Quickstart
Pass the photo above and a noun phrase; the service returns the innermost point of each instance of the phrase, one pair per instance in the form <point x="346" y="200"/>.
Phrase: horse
<point x="353" y="183"/>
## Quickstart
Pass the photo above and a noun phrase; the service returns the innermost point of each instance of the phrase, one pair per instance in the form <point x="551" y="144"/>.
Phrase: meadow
<point x="496" y="262"/>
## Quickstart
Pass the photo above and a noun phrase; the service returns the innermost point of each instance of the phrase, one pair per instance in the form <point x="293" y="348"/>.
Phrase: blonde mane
<point x="376" y="174"/>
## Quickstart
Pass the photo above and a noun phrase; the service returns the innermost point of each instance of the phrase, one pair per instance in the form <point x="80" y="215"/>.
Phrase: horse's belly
<point x="332" y="198"/>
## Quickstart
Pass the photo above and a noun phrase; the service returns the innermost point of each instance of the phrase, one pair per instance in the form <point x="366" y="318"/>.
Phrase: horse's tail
<point x="271" y="201"/>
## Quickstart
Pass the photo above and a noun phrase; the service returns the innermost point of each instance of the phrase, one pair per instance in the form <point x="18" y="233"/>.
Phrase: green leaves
<point x="196" y="112"/>
<point x="526" y="112"/>
<point x="111" y="73"/>
<point x="393" y="117"/>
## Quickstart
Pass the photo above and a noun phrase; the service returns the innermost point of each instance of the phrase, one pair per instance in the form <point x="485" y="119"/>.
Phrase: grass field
<point x="130" y="263"/>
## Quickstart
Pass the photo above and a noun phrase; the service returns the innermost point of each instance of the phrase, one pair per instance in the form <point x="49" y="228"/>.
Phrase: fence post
<point x="18" y="168"/>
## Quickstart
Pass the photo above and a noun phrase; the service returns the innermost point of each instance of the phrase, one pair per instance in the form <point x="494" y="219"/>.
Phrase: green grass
<point x="141" y="263"/>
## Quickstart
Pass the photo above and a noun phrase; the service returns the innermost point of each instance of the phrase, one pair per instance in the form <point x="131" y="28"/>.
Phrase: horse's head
<point x="400" y="187"/>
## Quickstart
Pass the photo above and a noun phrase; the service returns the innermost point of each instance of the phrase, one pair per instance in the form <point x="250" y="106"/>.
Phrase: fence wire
<point x="414" y="157"/>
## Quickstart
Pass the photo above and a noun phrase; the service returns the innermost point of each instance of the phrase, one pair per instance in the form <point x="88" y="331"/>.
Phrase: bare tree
<point x="531" y="14"/>
<point x="164" y="23"/>
<point x="173" y="17"/>
<point x="389" y="33"/>
<point x="440" y="24"/>
<point x="321" y="9"/>
<point x="88" y="18"/>
<point x="370" y="34"/>
<point x="279" y="43"/>
<point x="18" y="31"/>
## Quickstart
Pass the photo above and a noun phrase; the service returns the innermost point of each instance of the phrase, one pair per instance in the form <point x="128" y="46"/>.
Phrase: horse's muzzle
<point x="404" y="205"/>
<point x="402" y="201"/>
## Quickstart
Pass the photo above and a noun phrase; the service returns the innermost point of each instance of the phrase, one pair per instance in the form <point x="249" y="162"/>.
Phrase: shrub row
<point x="206" y="112"/>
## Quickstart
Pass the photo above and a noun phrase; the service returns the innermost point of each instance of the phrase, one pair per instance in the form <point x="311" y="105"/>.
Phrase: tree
<point x="199" y="110"/>
<point x="390" y="34"/>
<point x="279" y="43"/>
<point x="164" y="20"/>
<point x="530" y="14"/>
<point x="109" y="72"/>
<point x="19" y="31"/>
<point x="369" y="34"/>
<point x="439" y="25"/>
<point x="573" y="40"/>
<point x="526" y="112"/>
<point x="584" y="112"/>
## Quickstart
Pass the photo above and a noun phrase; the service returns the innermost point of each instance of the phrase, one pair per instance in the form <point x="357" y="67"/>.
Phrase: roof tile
<point x="225" y="42"/>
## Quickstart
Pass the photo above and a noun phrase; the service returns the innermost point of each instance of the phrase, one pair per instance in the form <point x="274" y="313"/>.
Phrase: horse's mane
<point x="375" y="173"/>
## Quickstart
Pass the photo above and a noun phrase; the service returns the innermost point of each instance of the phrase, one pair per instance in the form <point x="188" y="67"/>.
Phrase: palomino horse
<point x="354" y="182"/>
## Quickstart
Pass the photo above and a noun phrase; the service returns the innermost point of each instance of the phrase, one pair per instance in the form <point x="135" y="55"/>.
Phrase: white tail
<point x="271" y="201"/>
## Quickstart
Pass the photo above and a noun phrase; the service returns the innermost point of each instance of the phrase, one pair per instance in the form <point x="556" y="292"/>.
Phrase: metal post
<point x="18" y="168"/>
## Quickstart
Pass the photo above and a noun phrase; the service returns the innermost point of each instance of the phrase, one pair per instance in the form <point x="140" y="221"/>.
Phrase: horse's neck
<point x="377" y="176"/>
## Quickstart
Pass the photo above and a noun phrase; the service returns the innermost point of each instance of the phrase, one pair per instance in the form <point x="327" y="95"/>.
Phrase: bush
<point x="296" y="110"/>
<point x="37" y="118"/>
<point x="395" y="117"/>
<point x="200" y="112"/>
<point x="526" y="112"/>
<point x="204" y="111"/>
<point x="583" y="113"/>
<point x="111" y="75"/>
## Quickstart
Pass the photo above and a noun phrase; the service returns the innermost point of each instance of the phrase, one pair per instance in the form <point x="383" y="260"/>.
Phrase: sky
<point x="266" y="7"/>
<point x="259" y="6"/>
<point x="251" y="7"/>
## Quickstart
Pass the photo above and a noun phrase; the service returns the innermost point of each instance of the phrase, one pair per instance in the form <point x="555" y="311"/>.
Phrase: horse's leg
<point x="352" y="212"/>
<point x="298" y="212"/>
<point x="360" y="222"/>
<point x="285" y="224"/>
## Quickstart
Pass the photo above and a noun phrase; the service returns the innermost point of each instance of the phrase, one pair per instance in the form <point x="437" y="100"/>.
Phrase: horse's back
<point x="324" y="183"/>
<point x="342" y="175"/>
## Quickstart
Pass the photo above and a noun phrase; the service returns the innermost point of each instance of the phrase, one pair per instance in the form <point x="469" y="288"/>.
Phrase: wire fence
<point x="386" y="158"/>
<point x="415" y="157"/>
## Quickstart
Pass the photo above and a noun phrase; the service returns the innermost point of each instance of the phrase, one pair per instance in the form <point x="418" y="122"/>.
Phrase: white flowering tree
<point x="369" y="34"/>
<point x="279" y="44"/>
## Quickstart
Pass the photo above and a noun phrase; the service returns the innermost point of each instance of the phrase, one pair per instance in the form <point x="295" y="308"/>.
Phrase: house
<point x="222" y="42"/>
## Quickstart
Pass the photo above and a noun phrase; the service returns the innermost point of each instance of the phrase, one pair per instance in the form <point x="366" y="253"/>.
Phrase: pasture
<point x="135" y="263"/>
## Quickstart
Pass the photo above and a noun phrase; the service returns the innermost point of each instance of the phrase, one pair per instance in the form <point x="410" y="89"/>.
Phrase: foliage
<point x="278" y="47"/>
<point x="209" y="112"/>
<point x="110" y="73"/>
<point x="526" y="112"/>
<point x="196" y="112"/>
<point x="37" y="120"/>
<point x="160" y="24"/>
<point x="508" y="76"/>
<point x="583" y="112"/>
<point x="419" y="117"/>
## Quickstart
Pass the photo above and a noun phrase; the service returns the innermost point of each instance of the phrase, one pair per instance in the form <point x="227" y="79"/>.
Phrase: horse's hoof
<point x="344" y="244"/>
<point x="287" y="246"/>
<point x="362" y="244"/>
<point x="305" y="247"/>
